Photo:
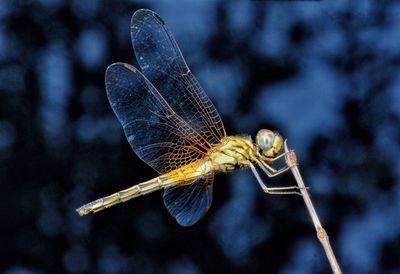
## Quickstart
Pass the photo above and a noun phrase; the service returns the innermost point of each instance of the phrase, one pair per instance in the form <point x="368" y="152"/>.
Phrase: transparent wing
<point x="157" y="134"/>
<point x="161" y="61"/>
<point x="189" y="203"/>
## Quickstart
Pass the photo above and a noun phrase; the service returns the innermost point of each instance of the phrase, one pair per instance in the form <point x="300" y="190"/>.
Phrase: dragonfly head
<point x="269" y="143"/>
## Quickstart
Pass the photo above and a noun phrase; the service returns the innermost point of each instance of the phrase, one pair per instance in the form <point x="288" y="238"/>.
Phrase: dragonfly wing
<point x="157" y="134"/>
<point x="162" y="62"/>
<point x="189" y="203"/>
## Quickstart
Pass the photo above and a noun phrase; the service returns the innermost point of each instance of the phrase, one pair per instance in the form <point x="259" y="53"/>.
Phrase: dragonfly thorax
<point x="234" y="152"/>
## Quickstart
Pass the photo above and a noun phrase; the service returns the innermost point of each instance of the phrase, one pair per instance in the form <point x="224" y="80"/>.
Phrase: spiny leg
<point x="272" y="170"/>
<point x="261" y="164"/>
<point x="276" y="157"/>
<point x="274" y="190"/>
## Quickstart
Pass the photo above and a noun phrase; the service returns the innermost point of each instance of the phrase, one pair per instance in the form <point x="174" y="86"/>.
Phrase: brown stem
<point x="291" y="160"/>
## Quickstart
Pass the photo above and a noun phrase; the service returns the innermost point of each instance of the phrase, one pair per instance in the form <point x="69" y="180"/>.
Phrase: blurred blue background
<point x="325" y="74"/>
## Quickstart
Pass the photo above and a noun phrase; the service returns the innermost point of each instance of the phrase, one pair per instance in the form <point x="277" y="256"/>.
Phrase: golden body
<point x="172" y="125"/>
<point x="232" y="153"/>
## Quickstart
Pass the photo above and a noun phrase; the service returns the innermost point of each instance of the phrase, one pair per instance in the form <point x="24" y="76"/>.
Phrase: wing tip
<point x="130" y="68"/>
<point x="158" y="19"/>
<point x="185" y="224"/>
<point x="113" y="71"/>
<point x="111" y="67"/>
<point x="146" y="12"/>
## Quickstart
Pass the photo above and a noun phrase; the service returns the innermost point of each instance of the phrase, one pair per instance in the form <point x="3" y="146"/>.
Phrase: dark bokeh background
<point x="325" y="74"/>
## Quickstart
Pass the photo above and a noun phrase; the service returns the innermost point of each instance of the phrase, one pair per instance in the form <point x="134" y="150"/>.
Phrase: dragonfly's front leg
<point x="272" y="171"/>
<point x="275" y="158"/>
<point x="274" y="190"/>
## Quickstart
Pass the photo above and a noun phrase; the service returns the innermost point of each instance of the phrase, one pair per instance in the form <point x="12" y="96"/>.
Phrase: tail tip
<point x="82" y="211"/>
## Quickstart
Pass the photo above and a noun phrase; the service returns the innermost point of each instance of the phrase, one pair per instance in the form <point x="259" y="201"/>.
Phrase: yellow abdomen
<point x="232" y="153"/>
<point x="182" y="175"/>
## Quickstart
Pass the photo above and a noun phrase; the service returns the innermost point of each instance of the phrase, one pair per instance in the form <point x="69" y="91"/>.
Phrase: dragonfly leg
<point x="270" y="171"/>
<point x="275" y="190"/>
<point x="275" y="158"/>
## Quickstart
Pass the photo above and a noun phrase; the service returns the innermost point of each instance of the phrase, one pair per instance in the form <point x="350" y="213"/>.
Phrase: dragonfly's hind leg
<point x="275" y="190"/>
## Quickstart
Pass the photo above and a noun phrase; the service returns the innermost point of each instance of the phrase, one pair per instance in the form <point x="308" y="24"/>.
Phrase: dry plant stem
<point x="291" y="160"/>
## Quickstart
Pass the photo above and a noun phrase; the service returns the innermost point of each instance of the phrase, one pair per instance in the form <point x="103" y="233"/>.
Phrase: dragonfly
<point x="172" y="125"/>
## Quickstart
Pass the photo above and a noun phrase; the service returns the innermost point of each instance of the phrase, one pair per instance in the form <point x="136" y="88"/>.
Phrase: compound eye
<point x="265" y="139"/>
